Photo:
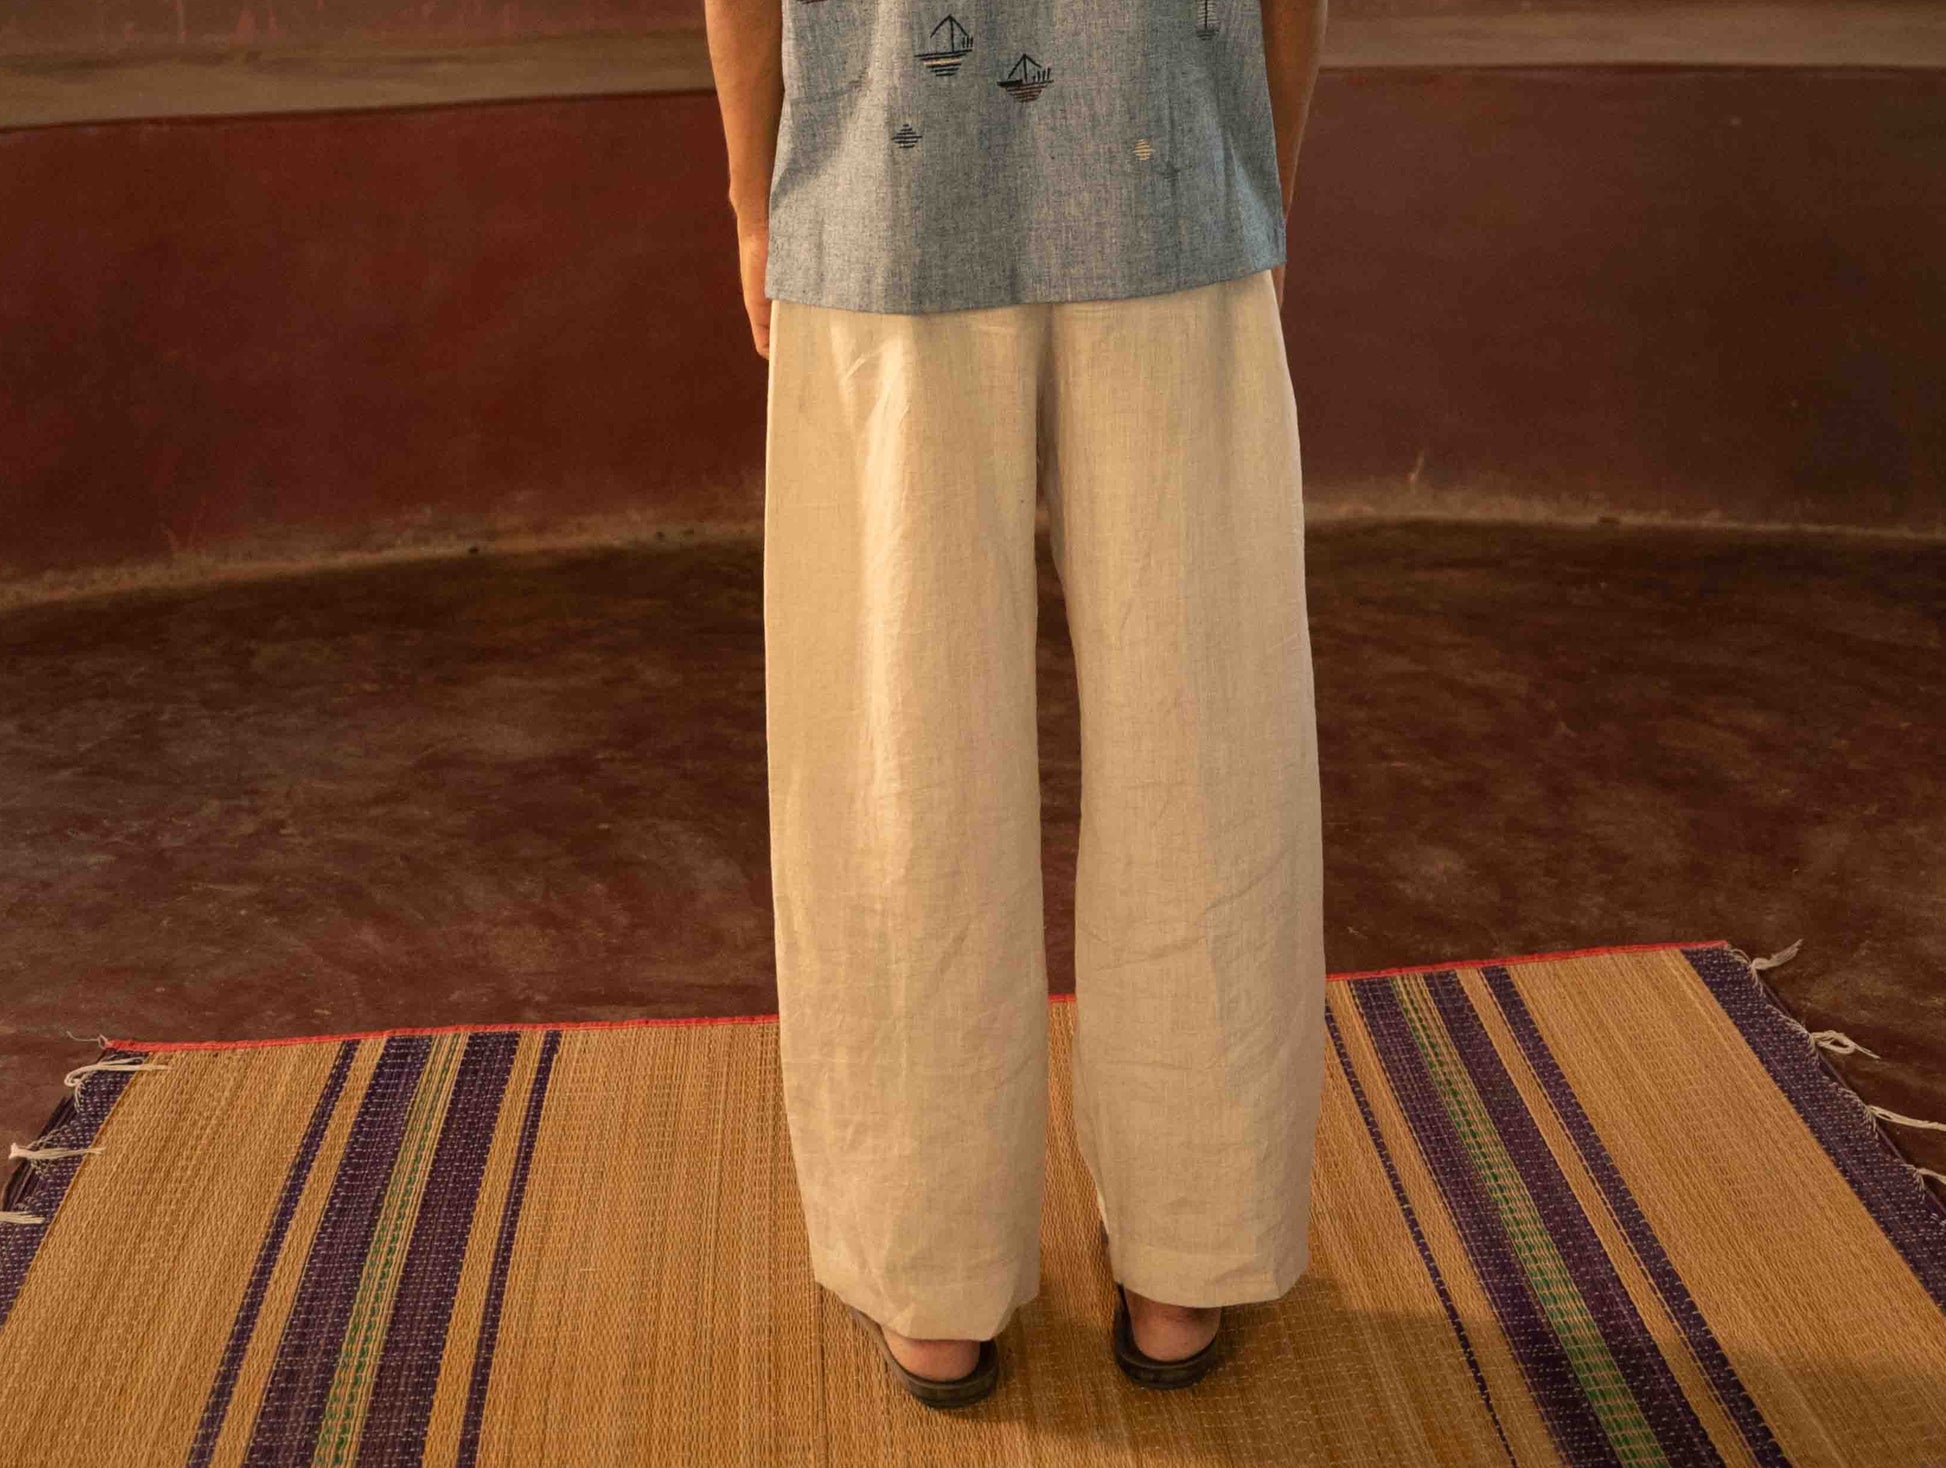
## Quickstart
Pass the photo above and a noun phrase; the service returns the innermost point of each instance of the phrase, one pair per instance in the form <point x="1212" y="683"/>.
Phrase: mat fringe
<point x="21" y="1180"/>
<point x="1838" y="1043"/>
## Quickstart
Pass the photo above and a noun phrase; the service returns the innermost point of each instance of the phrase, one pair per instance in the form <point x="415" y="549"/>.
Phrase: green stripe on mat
<point x="350" y="1385"/>
<point x="1629" y="1433"/>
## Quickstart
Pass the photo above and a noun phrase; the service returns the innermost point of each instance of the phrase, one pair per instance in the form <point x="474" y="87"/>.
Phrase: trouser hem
<point x="970" y="1311"/>
<point x="1202" y="1280"/>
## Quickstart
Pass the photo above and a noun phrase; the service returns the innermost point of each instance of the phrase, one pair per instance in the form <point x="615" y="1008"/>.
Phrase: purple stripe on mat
<point x="286" y="1429"/>
<point x="1412" y="1223"/>
<point x="1678" y="1430"/>
<point x="39" y="1187"/>
<point x="1577" y="1431"/>
<point x="1891" y="1191"/>
<point x="217" y="1406"/>
<point x="1725" y="1384"/>
<point x="394" y="1432"/>
<point x="503" y="1253"/>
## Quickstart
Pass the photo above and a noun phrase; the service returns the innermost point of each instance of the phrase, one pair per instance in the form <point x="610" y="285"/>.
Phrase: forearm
<point x="746" y="39"/>
<point x="1293" y="42"/>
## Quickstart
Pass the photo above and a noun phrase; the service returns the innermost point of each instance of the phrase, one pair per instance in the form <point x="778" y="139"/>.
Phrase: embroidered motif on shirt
<point x="944" y="58"/>
<point x="907" y="136"/>
<point x="1205" y="18"/>
<point x="1028" y="79"/>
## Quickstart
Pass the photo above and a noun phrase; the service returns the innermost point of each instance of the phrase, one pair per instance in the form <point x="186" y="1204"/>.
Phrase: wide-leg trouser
<point x="900" y="609"/>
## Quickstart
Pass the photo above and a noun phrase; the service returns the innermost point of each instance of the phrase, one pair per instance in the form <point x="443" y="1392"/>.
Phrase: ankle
<point x="938" y="1358"/>
<point x="1143" y="1305"/>
<point x="1167" y="1332"/>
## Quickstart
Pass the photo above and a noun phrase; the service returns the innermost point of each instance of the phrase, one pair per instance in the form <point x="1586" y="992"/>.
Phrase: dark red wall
<point x="1689" y="292"/>
<point x="231" y="328"/>
<point x="115" y="27"/>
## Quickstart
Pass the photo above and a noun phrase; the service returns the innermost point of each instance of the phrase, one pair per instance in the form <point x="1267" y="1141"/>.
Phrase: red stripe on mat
<point x="757" y="1019"/>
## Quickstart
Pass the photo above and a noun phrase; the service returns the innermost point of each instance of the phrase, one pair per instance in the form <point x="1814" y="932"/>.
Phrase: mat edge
<point x="59" y="1117"/>
<point x="1780" y="1013"/>
<point x="152" y="1046"/>
<point x="16" y="1194"/>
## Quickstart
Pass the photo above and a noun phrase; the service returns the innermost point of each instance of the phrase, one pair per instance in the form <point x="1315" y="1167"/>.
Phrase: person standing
<point x="989" y="249"/>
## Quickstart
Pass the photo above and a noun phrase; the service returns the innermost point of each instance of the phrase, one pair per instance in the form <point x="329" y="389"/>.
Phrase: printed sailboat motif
<point x="944" y="59"/>
<point x="1028" y="79"/>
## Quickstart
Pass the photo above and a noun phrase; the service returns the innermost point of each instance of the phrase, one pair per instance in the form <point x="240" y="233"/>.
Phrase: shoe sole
<point x="1146" y="1370"/>
<point x="977" y="1385"/>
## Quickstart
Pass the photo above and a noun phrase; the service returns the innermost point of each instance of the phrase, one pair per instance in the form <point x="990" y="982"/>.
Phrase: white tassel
<point x="1782" y="956"/>
<point x="127" y="1063"/>
<point x="1933" y="1126"/>
<point x="1836" y="1041"/>
<point x="1839" y="1044"/>
<point x="47" y="1154"/>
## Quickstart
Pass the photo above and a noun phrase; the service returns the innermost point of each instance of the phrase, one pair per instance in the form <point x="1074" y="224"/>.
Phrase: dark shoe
<point x="1146" y="1370"/>
<point x="961" y="1391"/>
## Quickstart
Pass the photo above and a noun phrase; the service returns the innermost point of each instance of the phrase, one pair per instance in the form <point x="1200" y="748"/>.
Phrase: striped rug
<point x="1601" y="1207"/>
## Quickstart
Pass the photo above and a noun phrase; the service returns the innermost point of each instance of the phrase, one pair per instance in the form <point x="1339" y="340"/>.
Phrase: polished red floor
<point x="502" y="788"/>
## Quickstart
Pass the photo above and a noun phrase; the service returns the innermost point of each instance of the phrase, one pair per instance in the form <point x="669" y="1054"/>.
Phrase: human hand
<point x="753" y="252"/>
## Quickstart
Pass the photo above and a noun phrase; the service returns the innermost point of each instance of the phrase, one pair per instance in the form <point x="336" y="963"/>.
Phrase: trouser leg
<point x="1174" y="491"/>
<point x="899" y="634"/>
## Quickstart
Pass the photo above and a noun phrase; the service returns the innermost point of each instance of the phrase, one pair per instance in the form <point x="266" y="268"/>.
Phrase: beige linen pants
<point x="900" y="608"/>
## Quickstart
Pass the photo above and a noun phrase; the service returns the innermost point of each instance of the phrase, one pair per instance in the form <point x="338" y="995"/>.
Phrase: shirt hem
<point x="884" y="302"/>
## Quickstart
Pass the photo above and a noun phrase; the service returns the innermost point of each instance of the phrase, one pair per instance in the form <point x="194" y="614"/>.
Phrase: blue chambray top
<point x="935" y="155"/>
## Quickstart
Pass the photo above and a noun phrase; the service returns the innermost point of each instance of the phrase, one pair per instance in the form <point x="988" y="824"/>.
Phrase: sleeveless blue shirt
<point x="958" y="153"/>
